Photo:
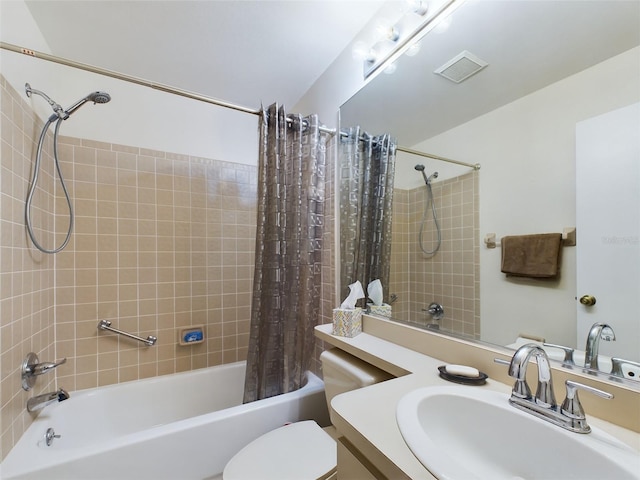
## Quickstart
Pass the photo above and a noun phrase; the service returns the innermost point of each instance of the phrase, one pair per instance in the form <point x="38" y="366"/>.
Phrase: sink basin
<point x="463" y="433"/>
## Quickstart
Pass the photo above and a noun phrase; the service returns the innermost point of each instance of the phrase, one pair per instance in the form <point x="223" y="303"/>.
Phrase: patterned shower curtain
<point x="367" y="167"/>
<point x="286" y="289"/>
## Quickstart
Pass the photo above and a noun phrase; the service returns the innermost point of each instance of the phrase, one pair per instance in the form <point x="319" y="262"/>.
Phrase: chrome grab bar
<point x="106" y="325"/>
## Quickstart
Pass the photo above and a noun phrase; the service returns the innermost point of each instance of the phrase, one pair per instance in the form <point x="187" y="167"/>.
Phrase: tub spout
<point x="41" y="401"/>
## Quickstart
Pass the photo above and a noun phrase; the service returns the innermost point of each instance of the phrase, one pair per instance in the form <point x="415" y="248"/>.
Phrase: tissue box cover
<point x="383" y="310"/>
<point x="347" y="323"/>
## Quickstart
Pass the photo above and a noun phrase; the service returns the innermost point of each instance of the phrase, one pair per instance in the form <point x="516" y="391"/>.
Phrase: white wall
<point x="136" y="115"/>
<point x="527" y="185"/>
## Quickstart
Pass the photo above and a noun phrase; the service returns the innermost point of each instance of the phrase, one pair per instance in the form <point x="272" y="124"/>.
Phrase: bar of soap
<point x="462" y="371"/>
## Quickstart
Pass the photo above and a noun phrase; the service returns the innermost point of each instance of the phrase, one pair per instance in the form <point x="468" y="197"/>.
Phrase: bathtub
<point x="175" y="427"/>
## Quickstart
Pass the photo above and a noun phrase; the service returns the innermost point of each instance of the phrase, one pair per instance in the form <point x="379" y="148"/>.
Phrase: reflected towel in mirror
<point x="535" y="256"/>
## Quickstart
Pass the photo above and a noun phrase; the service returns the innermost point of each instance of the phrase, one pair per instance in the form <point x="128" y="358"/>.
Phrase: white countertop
<point x="366" y="417"/>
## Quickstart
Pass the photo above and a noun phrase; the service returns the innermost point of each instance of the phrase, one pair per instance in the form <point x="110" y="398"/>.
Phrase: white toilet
<point x="303" y="450"/>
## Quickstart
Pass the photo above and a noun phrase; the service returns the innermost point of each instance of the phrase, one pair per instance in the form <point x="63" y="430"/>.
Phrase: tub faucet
<point x="570" y="414"/>
<point x="435" y="310"/>
<point x="41" y="401"/>
<point x="598" y="331"/>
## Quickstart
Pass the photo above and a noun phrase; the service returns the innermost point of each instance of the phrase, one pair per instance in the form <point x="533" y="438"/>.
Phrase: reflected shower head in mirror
<point x="428" y="179"/>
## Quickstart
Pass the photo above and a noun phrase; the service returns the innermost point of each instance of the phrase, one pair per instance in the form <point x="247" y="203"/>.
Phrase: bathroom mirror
<point x="551" y="66"/>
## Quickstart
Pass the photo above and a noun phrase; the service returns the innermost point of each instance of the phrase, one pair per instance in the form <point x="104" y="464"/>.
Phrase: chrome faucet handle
<point x="31" y="368"/>
<point x="616" y="366"/>
<point x="44" y="367"/>
<point x="568" y="352"/>
<point x="571" y="407"/>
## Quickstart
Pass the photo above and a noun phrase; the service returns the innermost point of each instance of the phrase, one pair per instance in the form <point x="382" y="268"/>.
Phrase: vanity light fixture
<point x="421" y="18"/>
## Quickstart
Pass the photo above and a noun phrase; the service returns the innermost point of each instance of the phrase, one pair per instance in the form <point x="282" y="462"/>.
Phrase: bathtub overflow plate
<point x="50" y="436"/>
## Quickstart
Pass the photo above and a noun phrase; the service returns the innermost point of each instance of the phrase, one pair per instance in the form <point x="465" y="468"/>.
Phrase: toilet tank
<point x="343" y="372"/>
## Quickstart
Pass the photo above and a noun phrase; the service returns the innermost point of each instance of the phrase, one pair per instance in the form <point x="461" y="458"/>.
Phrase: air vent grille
<point x="461" y="67"/>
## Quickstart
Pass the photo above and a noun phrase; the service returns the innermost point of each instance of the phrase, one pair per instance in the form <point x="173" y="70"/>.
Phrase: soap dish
<point x="480" y="380"/>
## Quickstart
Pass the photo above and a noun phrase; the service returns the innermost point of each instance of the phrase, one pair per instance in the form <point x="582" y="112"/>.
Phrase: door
<point x="608" y="228"/>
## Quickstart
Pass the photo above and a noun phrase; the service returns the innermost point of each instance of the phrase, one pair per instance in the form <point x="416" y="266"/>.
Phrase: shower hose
<point x="34" y="183"/>
<point x="430" y="253"/>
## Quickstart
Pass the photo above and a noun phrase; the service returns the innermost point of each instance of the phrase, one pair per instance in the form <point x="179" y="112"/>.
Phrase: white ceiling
<point x="241" y="51"/>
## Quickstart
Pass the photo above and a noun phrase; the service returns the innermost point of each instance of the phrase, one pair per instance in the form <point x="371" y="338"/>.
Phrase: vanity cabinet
<point x="352" y="465"/>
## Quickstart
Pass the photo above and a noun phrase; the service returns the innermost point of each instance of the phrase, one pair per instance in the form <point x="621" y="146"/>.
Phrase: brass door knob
<point x="588" y="300"/>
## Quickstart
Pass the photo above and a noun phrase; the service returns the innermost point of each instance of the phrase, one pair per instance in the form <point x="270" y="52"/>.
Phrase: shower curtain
<point x="367" y="167"/>
<point x="286" y="290"/>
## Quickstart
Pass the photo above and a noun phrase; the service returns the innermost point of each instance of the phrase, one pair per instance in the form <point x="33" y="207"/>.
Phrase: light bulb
<point x="419" y="7"/>
<point x="388" y="30"/>
<point x="413" y="50"/>
<point x="391" y="68"/>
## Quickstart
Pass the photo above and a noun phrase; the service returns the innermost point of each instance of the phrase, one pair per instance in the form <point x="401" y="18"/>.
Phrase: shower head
<point x="95" y="97"/>
<point x="420" y="168"/>
<point x="428" y="179"/>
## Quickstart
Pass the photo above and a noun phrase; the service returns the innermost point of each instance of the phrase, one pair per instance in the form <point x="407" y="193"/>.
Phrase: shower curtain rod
<point x="138" y="81"/>
<point x="475" y="166"/>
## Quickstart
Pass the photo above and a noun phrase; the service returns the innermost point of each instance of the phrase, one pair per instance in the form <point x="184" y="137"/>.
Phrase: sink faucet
<point x="598" y="331"/>
<point x="41" y="401"/>
<point x="518" y="370"/>
<point x="570" y="414"/>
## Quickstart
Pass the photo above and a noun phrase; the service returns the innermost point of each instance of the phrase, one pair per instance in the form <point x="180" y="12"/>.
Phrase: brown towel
<point x="535" y="256"/>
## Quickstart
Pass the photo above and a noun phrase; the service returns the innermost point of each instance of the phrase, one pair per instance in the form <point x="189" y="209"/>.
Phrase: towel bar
<point x="568" y="238"/>
<point x="106" y="325"/>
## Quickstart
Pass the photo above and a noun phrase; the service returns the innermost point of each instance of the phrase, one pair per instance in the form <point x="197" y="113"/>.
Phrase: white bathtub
<point x="176" y="427"/>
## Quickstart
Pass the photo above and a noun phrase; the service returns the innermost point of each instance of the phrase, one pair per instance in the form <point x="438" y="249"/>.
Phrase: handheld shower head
<point x="95" y="97"/>
<point x="100" y="97"/>
<point x="420" y="168"/>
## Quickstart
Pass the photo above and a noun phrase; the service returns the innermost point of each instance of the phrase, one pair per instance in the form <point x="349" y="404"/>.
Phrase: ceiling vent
<point x="461" y="67"/>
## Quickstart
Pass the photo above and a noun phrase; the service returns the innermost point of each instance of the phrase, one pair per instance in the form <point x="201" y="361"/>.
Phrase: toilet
<point x="303" y="450"/>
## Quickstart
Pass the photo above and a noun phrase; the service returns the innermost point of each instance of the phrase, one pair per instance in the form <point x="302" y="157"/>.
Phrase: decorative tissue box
<point x="347" y="323"/>
<point x="383" y="310"/>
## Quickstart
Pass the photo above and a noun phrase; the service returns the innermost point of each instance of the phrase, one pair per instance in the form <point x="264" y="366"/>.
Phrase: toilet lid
<point x="297" y="451"/>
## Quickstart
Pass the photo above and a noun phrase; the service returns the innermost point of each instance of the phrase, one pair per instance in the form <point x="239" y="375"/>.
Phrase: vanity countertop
<point x="366" y="417"/>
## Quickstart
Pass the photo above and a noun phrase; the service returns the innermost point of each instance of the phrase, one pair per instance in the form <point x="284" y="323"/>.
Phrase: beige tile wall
<point x="26" y="276"/>
<point x="161" y="241"/>
<point x="451" y="277"/>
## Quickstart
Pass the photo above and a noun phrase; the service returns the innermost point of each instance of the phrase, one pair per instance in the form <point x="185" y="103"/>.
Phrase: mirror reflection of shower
<point x="430" y="202"/>
<point x="58" y="116"/>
